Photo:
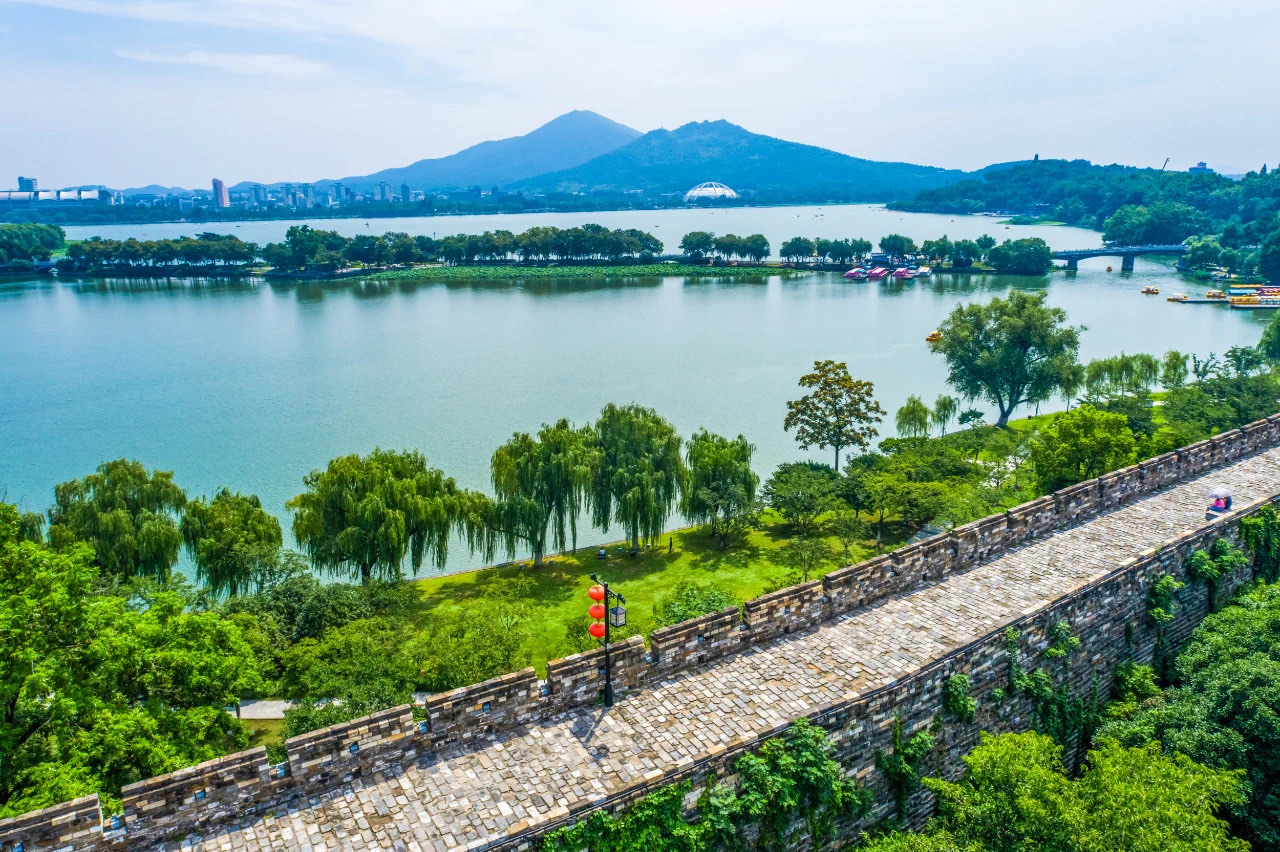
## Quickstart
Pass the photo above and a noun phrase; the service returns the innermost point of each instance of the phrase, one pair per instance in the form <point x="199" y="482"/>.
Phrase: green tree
<point x="897" y="246"/>
<point x="1173" y="369"/>
<point x="848" y="529"/>
<point x="1029" y="256"/>
<point x="805" y="557"/>
<point x="1080" y="445"/>
<point x="697" y="243"/>
<point x="801" y="492"/>
<point x="542" y="485"/>
<point x="232" y="540"/>
<point x="690" y="600"/>
<point x="97" y="691"/>
<point x="1202" y="252"/>
<point x="1015" y="796"/>
<point x="641" y="473"/>
<point x="362" y="515"/>
<point x="985" y="244"/>
<point x="127" y="515"/>
<point x="756" y="247"/>
<point x="839" y="412"/>
<point x="1009" y="351"/>
<point x="798" y="249"/>
<point x="945" y="409"/>
<point x="913" y="418"/>
<point x="1269" y="257"/>
<point x="721" y="490"/>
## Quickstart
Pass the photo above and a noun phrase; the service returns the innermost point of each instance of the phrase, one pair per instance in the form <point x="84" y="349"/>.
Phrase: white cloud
<point x="253" y="64"/>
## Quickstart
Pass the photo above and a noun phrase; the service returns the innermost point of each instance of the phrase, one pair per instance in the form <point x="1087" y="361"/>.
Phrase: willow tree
<point x="721" y="488"/>
<point x="363" y="515"/>
<point x="232" y="540"/>
<point x="640" y="472"/>
<point x="945" y="409"/>
<point x="839" y="412"/>
<point x="127" y="515"/>
<point x="542" y="485"/>
<point x="912" y="418"/>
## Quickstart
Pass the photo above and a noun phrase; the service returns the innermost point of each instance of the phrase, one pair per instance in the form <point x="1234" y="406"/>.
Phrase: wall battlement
<point x="227" y="790"/>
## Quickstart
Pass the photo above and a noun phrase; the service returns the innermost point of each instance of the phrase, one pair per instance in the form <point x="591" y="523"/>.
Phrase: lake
<point x="252" y="385"/>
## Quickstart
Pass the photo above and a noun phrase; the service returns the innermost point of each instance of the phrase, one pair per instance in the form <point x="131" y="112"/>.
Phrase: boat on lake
<point x="1151" y="291"/>
<point x="1218" y="294"/>
<point x="1176" y="297"/>
<point x="924" y="272"/>
<point x="1255" y="302"/>
<point x="933" y="336"/>
<point x="878" y="272"/>
<point x="903" y="272"/>
<point x="857" y="273"/>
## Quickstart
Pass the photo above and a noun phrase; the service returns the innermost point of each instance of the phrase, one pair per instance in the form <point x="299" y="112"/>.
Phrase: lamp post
<point x="605" y="617"/>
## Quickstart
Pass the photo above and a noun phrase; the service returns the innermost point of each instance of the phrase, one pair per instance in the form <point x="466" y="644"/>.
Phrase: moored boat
<point x="857" y="273"/>
<point x="1255" y="302"/>
<point x="1218" y="294"/>
<point x="1176" y="297"/>
<point x="924" y="272"/>
<point x="903" y="272"/>
<point x="1151" y="291"/>
<point x="878" y="272"/>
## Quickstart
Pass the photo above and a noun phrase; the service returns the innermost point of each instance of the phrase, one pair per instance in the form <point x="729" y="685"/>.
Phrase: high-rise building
<point x="220" y="196"/>
<point x="339" y="192"/>
<point x="26" y="184"/>
<point x="383" y="192"/>
<point x="405" y="193"/>
<point x="259" y="195"/>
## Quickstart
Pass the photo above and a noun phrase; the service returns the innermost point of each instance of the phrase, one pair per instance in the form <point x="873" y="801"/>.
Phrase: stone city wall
<point x="197" y="798"/>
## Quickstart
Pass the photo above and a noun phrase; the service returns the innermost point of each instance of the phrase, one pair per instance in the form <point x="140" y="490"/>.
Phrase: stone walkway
<point x="472" y="799"/>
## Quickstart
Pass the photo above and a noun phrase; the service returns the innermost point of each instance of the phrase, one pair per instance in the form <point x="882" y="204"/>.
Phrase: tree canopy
<point x="1010" y="351"/>
<point x="721" y="490"/>
<point x="641" y="472"/>
<point x="838" y="412"/>
<point x="128" y="517"/>
<point x="1078" y="445"/>
<point x="99" y="691"/>
<point x="232" y="540"/>
<point x="362" y="515"/>
<point x="541" y="485"/>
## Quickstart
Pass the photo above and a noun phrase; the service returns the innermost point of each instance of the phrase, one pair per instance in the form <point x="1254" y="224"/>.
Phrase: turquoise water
<point x="253" y="385"/>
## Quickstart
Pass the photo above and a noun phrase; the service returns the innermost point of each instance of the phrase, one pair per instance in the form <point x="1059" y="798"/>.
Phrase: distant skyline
<point x="177" y="92"/>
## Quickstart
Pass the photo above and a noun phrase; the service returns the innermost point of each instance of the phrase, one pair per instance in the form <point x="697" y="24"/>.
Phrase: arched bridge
<point x="1125" y="253"/>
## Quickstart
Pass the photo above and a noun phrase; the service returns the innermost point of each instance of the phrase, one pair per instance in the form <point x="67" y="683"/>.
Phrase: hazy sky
<point x="130" y="92"/>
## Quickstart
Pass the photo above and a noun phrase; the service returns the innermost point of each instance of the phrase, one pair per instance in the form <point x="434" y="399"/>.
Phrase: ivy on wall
<point x="902" y="765"/>
<point x="790" y="781"/>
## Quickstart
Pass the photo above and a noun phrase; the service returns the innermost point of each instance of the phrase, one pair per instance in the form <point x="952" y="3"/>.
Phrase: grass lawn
<point x="556" y="594"/>
<point x="265" y="732"/>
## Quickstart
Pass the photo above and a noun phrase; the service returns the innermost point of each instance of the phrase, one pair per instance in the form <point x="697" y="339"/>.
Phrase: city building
<point x="709" y="191"/>
<point x="1200" y="168"/>
<point x="340" y="193"/>
<point x="259" y="195"/>
<point x="26" y="184"/>
<point x="220" y="196"/>
<point x="405" y="193"/>
<point x="382" y="192"/>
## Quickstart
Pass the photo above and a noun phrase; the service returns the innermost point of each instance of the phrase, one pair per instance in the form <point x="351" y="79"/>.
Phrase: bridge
<point x="1125" y="253"/>
<point x="497" y="764"/>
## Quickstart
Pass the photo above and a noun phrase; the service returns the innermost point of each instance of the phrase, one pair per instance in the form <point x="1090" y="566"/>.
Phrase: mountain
<point x="675" y="160"/>
<point x="561" y="143"/>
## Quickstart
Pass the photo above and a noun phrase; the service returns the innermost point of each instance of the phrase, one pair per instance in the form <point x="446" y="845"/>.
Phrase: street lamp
<point x="605" y="617"/>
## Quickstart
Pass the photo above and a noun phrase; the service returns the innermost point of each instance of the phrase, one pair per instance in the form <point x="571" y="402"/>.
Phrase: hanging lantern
<point x="596" y="629"/>
<point x="596" y="592"/>
<point x="596" y="611"/>
<point x="617" y="616"/>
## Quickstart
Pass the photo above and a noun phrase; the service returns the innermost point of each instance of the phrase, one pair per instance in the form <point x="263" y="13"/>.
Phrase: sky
<point x="176" y="92"/>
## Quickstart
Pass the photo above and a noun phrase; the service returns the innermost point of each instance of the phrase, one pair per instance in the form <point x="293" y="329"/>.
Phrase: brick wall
<point x="235" y="787"/>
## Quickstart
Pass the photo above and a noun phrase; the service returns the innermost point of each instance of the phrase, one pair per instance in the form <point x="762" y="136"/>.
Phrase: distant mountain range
<point x="583" y="151"/>
<point x="675" y="160"/>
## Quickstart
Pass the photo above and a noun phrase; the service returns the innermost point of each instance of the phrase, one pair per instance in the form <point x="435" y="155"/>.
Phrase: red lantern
<point x="596" y="611"/>
<point x="596" y="629"/>
<point x="596" y="593"/>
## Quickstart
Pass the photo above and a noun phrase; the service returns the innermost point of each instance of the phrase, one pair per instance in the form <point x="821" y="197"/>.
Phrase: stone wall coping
<point x="591" y="659"/>
<point x="789" y="593"/>
<point x="729" y="615"/>
<point x="344" y="729"/>
<point x="1031" y="507"/>
<point x="254" y="758"/>
<point x="484" y="688"/>
<point x="1157" y="461"/>
<point x="46" y="816"/>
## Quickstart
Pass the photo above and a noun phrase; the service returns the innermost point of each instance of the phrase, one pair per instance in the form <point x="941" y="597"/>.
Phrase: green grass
<point x="265" y="732"/>
<point x="556" y="594"/>
<point x="503" y="273"/>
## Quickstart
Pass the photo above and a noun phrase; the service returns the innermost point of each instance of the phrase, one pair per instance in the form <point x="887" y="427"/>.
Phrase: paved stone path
<point x="471" y="799"/>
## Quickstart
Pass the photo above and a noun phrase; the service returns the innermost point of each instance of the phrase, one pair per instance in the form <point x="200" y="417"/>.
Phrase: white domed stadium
<point x="709" y="191"/>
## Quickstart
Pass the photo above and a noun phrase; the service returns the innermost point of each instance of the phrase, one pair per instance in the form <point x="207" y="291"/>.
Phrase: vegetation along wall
<point x="1032" y="671"/>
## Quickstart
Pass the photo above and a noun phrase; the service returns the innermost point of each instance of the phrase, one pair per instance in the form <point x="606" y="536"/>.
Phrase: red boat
<point x="858" y="273"/>
<point x="878" y="272"/>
